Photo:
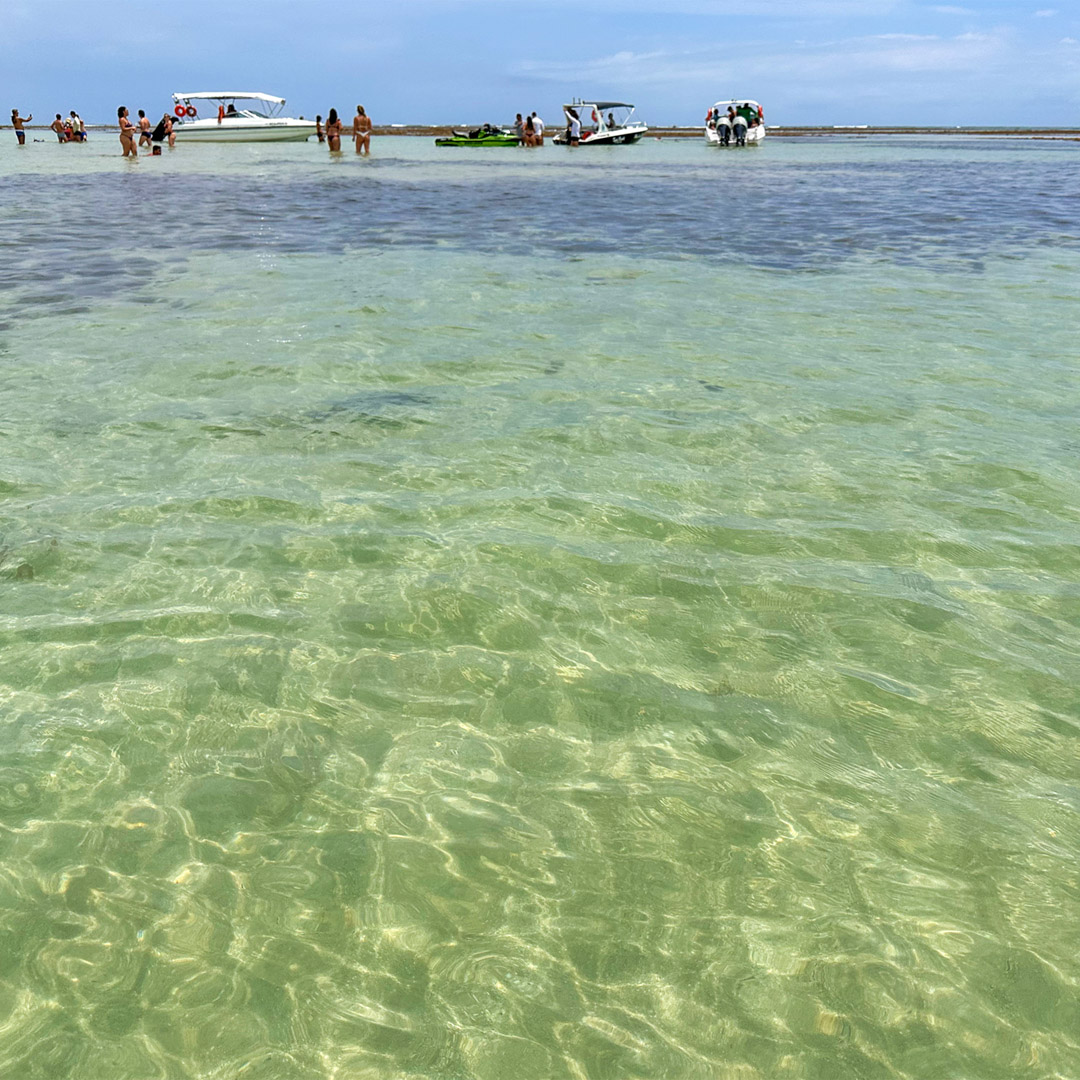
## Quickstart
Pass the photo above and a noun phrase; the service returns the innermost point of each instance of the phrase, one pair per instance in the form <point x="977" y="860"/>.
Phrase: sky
<point x="981" y="62"/>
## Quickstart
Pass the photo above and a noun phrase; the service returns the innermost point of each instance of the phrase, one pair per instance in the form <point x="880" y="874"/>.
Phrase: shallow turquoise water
<point x="540" y="615"/>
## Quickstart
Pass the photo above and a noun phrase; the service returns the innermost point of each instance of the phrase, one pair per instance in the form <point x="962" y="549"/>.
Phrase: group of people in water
<point x="67" y="128"/>
<point x="73" y="129"/>
<point x="734" y="124"/>
<point x="148" y="136"/>
<point x="530" y="131"/>
<point x="361" y="130"/>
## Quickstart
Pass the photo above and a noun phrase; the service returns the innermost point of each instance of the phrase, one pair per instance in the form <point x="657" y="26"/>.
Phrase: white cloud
<point x="854" y="60"/>
<point x="1045" y="13"/>
<point x="949" y="9"/>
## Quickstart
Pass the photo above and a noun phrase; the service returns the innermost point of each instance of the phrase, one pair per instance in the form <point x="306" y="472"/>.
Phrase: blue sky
<point x="983" y="62"/>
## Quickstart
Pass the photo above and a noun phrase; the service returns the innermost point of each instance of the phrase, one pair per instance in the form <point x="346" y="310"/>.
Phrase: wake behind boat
<point x="258" y="119"/>
<point x="737" y="122"/>
<point x="603" y="123"/>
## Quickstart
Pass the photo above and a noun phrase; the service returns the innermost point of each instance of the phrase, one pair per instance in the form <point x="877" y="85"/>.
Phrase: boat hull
<point x="239" y="131"/>
<point x="617" y="137"/>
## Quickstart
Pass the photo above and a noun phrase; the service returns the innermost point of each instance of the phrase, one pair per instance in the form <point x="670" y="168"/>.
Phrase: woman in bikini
<point x="127" y="133"/>
<point x="333" y="131"/>
<point x="361" y="131"/>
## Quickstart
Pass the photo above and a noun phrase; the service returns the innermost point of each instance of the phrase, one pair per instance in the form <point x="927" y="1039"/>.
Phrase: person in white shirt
<point x="575" y="128"/>
<point x="538" y="129"/>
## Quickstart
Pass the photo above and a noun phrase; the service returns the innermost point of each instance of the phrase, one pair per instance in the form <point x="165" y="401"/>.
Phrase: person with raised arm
<point x="17" y="122"/>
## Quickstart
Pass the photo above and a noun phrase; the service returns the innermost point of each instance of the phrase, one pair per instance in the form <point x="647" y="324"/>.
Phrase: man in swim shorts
<point x="144" y="129"/>
<point x="17" y="122"/>
<point x="538" y="129"/>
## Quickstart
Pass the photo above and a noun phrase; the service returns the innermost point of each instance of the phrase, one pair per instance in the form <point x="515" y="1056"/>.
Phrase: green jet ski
<point x="488" y="135"/>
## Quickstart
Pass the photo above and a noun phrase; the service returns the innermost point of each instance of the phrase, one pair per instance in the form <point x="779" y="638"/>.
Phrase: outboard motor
<point x="723" y="130"/>
<point x="740" y="130"/>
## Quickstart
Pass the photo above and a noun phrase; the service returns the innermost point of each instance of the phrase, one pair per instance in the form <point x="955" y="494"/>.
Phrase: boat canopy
<point x="230" y="95"/>
<point x="599" y="105"/>
<point x="736" y="102"/>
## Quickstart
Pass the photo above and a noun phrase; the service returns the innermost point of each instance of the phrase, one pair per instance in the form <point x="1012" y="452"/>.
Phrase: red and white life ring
<point x="595" y="118"/>
<point x="180" y="110"/>
<point x="191" y="111"/>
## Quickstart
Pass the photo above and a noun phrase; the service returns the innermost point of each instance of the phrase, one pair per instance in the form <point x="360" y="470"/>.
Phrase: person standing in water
<point x="318" y="129"/>
<point x="538" y="129"/>
<point x="361" y="131"/>
<point x="144" y="129"/>
<point x="58" y="126"/>
<point x="17" y="122"/>
<point x="127" y="133"/>
<point x="333" y="131"/>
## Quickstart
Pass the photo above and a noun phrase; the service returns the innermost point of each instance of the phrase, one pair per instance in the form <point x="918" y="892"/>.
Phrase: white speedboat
<point x="603" y="123"/>
<point x="235" y="116"/>
<point x="738" y="122"/>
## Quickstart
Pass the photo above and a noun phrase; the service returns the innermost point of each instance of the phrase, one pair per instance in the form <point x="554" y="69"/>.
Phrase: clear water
<point x="540" y="614"/>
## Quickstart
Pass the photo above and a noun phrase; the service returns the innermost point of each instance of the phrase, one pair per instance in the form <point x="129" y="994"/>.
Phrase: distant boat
<point x="748" y="128"/>
<point x="603" y="123"/>
<point x="259" y="121"/>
